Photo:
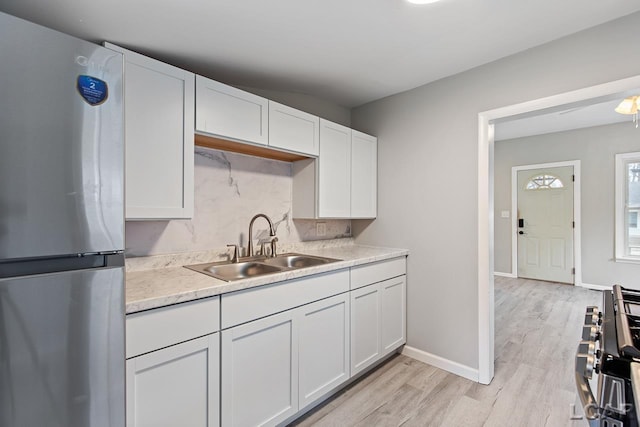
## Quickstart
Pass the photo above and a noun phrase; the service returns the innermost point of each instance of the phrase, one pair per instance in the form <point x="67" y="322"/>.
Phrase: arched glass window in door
<point x="544" y="182"/>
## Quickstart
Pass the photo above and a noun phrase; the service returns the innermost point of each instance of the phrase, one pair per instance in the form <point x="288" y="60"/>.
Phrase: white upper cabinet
<point x="364" y="175"/>
<point x="159" y="116"/>
<point x="293" y="130"/>
<point x="342" y="182"/>
<point x="334" y="171"/>
<point x="222" y="110"/>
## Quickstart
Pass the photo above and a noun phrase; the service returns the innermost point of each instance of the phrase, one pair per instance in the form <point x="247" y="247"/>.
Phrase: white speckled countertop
<point x="166" y="282"/>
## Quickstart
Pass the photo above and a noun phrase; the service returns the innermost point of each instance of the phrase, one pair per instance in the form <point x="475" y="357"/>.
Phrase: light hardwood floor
<point x="538" y="327"/>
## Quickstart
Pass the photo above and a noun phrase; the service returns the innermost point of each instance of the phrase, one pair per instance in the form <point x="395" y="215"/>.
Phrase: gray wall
<point x="596" y="148"/>
<point x="428" y="157"/>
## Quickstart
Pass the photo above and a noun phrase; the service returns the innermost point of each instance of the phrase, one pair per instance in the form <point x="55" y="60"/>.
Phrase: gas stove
<point x="610" y="347"/>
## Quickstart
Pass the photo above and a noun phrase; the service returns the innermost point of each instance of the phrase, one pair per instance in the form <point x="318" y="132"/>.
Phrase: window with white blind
<point x="627" y="207"/>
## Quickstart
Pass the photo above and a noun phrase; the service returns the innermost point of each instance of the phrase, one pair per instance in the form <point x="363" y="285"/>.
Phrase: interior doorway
<point x="486" y="120"/>
<point x="545" y="223"/>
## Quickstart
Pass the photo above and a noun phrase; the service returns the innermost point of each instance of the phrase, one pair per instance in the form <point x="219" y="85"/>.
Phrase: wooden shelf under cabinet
<point x="243" y="148"/>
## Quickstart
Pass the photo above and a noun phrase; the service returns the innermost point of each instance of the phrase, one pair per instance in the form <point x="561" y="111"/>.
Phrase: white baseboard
<point x="442" y="363"/>
<point x="581" y="285"/>
<point x="498" y="273"/>
<point x="595" y="287"/>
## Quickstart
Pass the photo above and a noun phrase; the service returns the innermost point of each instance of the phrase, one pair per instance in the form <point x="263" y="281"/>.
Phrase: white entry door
<point x="545" y="224"/>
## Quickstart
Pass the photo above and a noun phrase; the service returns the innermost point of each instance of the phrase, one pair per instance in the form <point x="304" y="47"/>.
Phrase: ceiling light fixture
<point x="422" y="1"/>
<point x="630" y="105"/>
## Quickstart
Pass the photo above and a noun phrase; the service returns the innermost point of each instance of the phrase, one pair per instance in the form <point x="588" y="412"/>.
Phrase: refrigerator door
<point x="61" y="144"/>
<point x="62" y="349"/>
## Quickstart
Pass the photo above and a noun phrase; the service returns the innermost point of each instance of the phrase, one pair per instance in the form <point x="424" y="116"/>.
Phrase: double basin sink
<point x="259" y="266"/>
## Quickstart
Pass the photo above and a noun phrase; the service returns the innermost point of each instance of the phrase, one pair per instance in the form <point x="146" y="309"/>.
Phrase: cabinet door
<point x="334" y="171"/>
<point x="260" y="371"/>
<point x="324" y="347"/>
<point x="393" y="313"/>
<point x="365" y="327"/>
<point x="231" y="113"/>
<point x="364" y="175"/>
<point x="159" y="116"/>
<point x="293" y="129"/>
<point x="175" y="386"/>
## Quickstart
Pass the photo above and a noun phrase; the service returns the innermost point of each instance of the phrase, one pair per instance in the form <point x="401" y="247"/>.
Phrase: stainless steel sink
<point x="235" y="271"/>
<point x="258" y="266"/>
<point x="293" y="261"/>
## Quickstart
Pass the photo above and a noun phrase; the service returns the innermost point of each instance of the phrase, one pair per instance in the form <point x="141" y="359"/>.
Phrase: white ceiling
<point x="569" y="118"/>
<point x="349" y="52"/>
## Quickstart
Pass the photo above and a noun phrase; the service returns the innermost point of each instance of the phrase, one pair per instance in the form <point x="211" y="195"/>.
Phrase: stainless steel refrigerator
<point x="61" y="230"/>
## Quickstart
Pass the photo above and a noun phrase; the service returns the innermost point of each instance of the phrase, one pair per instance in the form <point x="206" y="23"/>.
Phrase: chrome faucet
<point x="234" y="258"/>
<point x="273" y="243"/>
<point x="272" y="232"/>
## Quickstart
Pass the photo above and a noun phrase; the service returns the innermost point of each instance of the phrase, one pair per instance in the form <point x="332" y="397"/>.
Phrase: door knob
<point x="520" y="232"/>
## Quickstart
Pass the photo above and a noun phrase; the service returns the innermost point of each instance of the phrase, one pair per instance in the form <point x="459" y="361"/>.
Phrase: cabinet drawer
<point x="244" y="306"/>
<point x="377" y="272"/>
<point x="162" y="327"/>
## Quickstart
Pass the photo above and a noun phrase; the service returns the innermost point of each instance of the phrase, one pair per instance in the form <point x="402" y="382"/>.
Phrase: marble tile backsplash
<point x="161" y="261"/>
<point x="230" y="189"/>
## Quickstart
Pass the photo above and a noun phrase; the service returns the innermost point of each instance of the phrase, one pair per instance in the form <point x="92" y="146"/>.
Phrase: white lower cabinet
<point x="365" y="327"/>
<point x="175" y="386"/>
<point x="260" y="371"/>
<point x="323" y="347"/>
<point x="275" y="366"/>
<point x="393" y="315"/>
<point x="285" y="346"/>
<point x="378" y="321"/>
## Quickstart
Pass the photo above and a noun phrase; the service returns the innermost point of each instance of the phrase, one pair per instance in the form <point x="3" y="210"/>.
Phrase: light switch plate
<point x="504" y="214"/>
<point x="321" y="228"/>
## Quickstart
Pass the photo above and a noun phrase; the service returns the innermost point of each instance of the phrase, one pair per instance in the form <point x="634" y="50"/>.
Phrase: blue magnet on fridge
<point x="92" y="90"/>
